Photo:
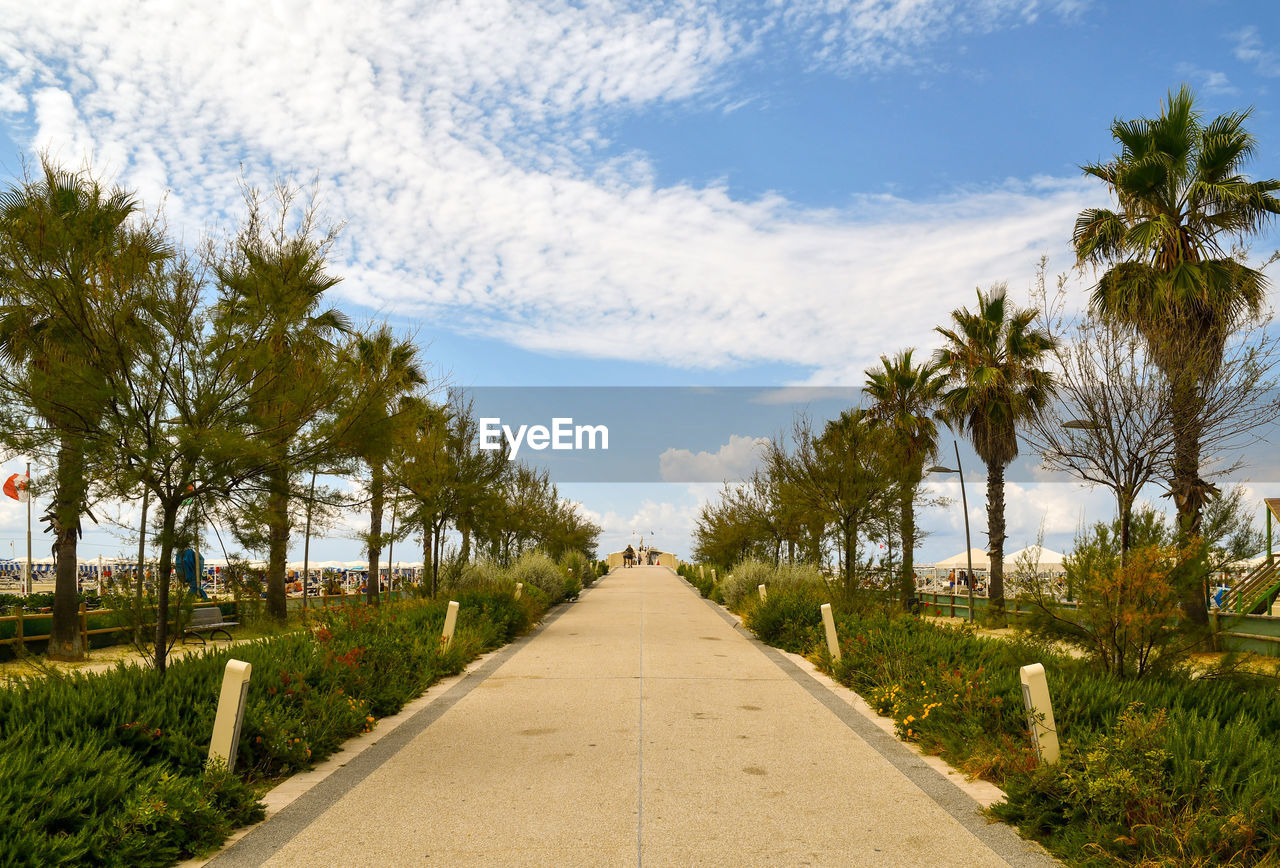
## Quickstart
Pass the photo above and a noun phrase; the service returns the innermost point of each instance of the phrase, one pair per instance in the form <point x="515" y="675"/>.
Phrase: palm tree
<point x="386" y="373"/>
<point x="272" y="288"/>
<point x="73" y="271"/>
<point x="905" y="398"/>
<point x="1168" y="276"/>
<point x="991" y="362"/>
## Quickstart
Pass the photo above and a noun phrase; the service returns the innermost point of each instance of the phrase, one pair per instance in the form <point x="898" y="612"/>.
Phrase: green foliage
<point x="741" y="589"/>
<point x="743" y="581"/>
<point x="700" y="579"/>
<point x="110" y="769"/>
<point x="579" y="569"/>
<point x="537" y="570"/>
<point x="790" y="616"/>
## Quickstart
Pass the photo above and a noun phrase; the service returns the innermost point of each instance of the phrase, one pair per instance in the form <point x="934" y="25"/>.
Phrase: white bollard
<point x="226" y="724"/>
<point x="702" y="572"/>
<point x="1035" y="695"/>
<point x="519" y="589"/>
<point x="450" y="621"/>
<point x="713" y="576"/>
<point x="829" y="621"/>
<point x="762" y="591"/>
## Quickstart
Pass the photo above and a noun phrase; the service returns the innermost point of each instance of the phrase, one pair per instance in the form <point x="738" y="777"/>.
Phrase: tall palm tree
<point x="1170" y="276"/>
<point x="904" y="399"/>
<point x="992" y="364"/>
<point x="272" y="288"/>
<point x="74" y="267"/>
<point x="386" y="372"/>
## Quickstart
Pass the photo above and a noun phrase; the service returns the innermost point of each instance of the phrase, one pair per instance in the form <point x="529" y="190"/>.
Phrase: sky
<point x="670" y="194"/>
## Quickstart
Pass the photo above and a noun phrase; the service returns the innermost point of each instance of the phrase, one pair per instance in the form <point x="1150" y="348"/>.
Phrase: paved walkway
<point x="638" y="727"/>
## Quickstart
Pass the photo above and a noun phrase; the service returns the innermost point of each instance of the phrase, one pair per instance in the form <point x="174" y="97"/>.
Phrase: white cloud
<point x="871" y="34"/>
<point x="1250" y="49"/>
<point x="460" y="145"/>
<point x="733" y="461"/>
<point x="1207" y="80"/>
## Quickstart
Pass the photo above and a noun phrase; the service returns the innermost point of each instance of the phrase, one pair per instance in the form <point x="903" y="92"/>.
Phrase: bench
<point x="207" y="619"/>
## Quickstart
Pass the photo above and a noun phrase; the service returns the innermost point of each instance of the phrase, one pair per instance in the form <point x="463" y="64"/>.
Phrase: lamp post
<point x="964" y="500"/>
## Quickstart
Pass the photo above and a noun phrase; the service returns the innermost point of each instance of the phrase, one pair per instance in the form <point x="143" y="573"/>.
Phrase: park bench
<point x="207" y="619"/>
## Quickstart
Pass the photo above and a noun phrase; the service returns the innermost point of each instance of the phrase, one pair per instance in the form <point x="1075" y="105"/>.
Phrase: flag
<point x="16" y="486"/>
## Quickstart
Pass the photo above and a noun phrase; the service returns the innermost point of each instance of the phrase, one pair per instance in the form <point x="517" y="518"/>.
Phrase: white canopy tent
<point x="961" y="561"/>
<point x="1045" y="560"/>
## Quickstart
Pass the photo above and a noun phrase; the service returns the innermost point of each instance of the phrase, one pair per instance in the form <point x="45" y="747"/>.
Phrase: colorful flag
<point x="16" y="486"/>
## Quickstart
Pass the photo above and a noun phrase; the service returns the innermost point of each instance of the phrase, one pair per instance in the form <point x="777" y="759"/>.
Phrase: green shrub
<point x="742" y="582"/>
<point x="790" y="617"/>
<point x="580" y="570"/>
<point x="483" y="574"/>
<point x="537" y="570"/>
<point x="741" y="587"/>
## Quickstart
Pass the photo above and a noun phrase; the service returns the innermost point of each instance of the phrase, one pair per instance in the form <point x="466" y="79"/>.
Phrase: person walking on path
<point x="628" y="556"/>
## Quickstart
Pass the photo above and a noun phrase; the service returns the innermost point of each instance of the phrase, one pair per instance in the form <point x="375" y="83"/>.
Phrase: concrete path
<point x="638" y="727"/>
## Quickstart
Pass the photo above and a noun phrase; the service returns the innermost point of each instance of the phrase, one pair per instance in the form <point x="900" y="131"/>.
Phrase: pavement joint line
<point x="1000" y="838"/>
<point x="262" y="841"/>
<point x="640" y="751"/>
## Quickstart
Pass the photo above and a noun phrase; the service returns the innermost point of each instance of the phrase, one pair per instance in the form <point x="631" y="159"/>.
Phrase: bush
<point x="742" y="582"/>
<point x="537" y="570"/>
<point x="790" y="617"/>
<point x="579" y="569"/>
<point x="741" y="587"/>
<point x="484" y="574"/>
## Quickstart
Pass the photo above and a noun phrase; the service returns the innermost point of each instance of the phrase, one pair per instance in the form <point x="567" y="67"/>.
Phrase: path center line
<point x="640" y="748"/>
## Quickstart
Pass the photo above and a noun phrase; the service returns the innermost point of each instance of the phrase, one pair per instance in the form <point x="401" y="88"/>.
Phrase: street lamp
<point x="964" y="500"/>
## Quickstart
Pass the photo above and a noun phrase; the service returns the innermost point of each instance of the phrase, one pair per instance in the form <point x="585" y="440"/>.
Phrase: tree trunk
<point x="142" y="564"/>
<point x="64" y="640"/>
<point x="1125" y="502"/>
<point x="277" y="542"/>
<point x="1189" y="492"/>
<point x="850" y="536"/>
<point x="164" y="573"/>
<point x="995" y="533"/>
<point x="464" y="554"/>
<point x="436" y="528"/>
<point x="426" y="554"/>
<point x="377" y="493"/>
<point x="908" y="530"/>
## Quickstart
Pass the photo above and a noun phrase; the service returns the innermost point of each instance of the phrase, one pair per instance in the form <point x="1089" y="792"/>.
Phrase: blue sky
<point x="650" y="194"/>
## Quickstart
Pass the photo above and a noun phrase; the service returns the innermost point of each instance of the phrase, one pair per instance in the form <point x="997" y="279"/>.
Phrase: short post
<point x="1035" y="695"/>
<point x="829" y="622"/>
<point x="519" y="589"/>
<point x="84" y="627"/>
<point x="702" y="571"/>
<point x="763" y="592"/>
<point x="713" y="576"/>
<point x="450" y="622"/>
<point x="226" y="724"/>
